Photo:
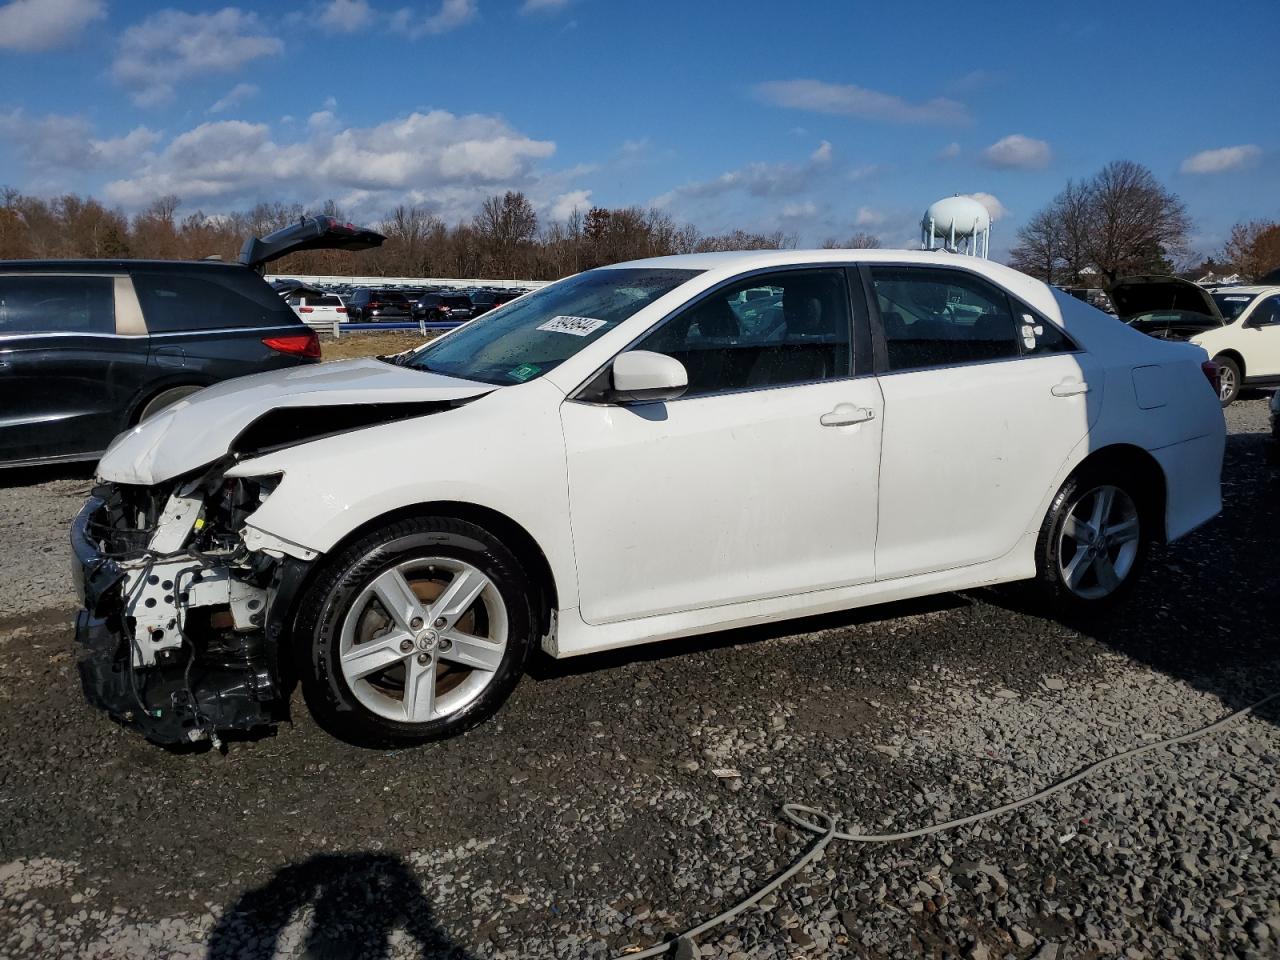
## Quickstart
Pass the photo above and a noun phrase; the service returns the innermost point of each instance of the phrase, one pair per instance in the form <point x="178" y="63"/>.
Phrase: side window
<point x="32" y="304"/>
<point x="937" y="317"/>
<point x="1267" y="313"/>
<point x="176" y="302"/>
<point x="769" y="331"/>
<point x="1039" y="336"/>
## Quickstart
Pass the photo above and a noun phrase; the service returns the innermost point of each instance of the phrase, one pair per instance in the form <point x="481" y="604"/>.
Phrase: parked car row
<point x="365" y="304"/>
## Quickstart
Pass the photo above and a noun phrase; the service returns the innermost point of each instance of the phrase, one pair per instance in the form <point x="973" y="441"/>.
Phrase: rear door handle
<point x="846" y="414"/>
<point x="1069" y="388"/>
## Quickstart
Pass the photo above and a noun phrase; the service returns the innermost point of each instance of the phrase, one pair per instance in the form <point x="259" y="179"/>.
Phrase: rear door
<point x="69" y="365"/>
<point x="209" y="323"/>
<point x="984" y="401"/>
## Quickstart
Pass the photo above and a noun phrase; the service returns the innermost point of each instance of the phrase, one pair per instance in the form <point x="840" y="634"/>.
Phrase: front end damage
<point x="183" y="623"/>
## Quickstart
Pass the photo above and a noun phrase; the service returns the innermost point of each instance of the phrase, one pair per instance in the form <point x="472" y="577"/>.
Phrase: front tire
<point x="417" y="631"/>
<point x="1229" y="379"/>
<point x="1092" y="545"/>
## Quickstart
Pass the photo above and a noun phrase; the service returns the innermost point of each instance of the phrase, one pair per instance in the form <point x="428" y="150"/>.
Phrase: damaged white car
<point x="641" y="452"/>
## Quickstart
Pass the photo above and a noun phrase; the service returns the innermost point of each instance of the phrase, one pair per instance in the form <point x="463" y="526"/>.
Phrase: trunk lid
<point x="309" y="233"/>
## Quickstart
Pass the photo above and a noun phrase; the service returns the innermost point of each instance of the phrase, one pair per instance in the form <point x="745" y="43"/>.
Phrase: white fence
<point x="407" y="281"/>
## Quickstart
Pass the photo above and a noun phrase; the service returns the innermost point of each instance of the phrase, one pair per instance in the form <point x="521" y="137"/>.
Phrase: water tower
<point x="960" y="224"/>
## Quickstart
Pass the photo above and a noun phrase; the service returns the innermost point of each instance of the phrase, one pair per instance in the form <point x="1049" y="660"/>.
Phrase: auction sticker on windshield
<point x="577" y="326"/>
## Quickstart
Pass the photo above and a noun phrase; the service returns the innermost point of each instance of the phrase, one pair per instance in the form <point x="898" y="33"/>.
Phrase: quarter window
<point x="223" y="299"/>
<point x="1266" y="314"/>
<point x="31" y="304"/>
<point x="769" y="331"/>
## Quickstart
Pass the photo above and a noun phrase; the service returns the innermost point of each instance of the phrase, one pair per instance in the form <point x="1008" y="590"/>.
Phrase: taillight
<point x="306" y="309"/>
<point x="374" y="304"/>
<point x="341" y="309"/>
<point x="1212" y="373"/>
<point x="298" y="344"/>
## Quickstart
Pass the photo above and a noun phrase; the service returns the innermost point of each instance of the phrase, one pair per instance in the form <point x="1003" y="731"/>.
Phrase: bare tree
<point x="859" y="241"/>
<point x="1254" y="248"/>
<point x="1134" y="223"/>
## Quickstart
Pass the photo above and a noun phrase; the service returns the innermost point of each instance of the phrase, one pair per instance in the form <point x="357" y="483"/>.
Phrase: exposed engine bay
<point x="183" y="621"/>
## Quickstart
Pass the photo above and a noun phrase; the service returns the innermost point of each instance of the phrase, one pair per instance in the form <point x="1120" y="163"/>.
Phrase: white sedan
<point x="642" y="452"/>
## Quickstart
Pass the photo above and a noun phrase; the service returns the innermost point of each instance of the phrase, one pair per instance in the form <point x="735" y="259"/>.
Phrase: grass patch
<point x="358" y="344"/>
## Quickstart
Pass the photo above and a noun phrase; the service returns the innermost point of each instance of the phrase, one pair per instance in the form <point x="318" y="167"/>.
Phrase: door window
<point x="1266" y="314"/>
<point x="938" y="317"/>
<point x="32" y="304"/>
<point x="768" y="331"/>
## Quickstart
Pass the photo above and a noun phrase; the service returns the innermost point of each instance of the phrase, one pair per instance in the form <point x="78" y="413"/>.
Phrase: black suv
<point x="88" y="348"/>
<point x="442" y="306"/>
<point x="482" y="301"/>
<point x="373" y="306"/>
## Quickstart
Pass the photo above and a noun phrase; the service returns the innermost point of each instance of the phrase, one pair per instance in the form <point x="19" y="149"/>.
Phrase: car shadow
<point x="26" y="476"/>
<point x="1207" y="611"/>
<point x="352" y="906"/>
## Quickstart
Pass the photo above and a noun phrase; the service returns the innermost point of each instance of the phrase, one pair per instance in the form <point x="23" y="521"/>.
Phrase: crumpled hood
<point x="200" y="429"/>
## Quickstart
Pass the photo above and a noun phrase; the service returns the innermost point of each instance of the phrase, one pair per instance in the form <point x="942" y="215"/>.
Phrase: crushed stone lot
<point x="618" y="799"/>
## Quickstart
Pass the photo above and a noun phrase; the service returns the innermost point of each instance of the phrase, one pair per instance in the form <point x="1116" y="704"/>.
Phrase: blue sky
<point x="820" y="118"/>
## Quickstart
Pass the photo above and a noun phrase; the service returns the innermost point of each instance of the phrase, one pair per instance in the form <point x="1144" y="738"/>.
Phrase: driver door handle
<point x="1069" y="388"/>
<point x="846" y="414"/>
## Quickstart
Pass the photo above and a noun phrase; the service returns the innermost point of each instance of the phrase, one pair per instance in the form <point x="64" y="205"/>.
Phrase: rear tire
<point x="1092" y="545"/>
<point x="1229" y="379"/>
<point x="446" y="660"/>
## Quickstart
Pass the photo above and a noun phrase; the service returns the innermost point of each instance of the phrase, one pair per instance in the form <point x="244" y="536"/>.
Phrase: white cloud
<point x="44" y="24"/>
<point x="451" y="15"/>
<point x="995" y="208"/>
<point x="543" y="6"/>
<point x="950" y="151"/>
<point x="757" y="179"/>
<point x="1222" y="159"/>
<point x="59" y="142"/>
<point x="564" y="205"/>
<point x="1016" y="152"/>
<point x="866" y="217"/>
<point x="439" y="159"/>
<point x="240" y="93"/>
<point x="853" y="101"/>
<point x="171" y="46"/>
<point x="799" y="211"/>
<point x="346" y="16"/>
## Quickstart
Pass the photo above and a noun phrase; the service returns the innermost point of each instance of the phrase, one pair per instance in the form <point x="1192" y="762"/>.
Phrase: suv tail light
<point x="306" y="309"/>
<point x="341" y="309"/>
<point x="374" y="304"/>
<point x="1211" y="372"/>
<point x="298" y="344"/>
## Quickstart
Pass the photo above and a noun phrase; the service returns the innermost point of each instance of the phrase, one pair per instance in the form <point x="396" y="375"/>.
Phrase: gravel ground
<point x="619" y="798"/>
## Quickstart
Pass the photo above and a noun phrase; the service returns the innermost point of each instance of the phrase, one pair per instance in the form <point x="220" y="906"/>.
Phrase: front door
<point x="760" y="482"/>
<point x="1259" y="339"/>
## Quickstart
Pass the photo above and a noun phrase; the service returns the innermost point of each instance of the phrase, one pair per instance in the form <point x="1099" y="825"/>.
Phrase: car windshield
<point x="528" y="337"/>
<point x="1231" y="305"/>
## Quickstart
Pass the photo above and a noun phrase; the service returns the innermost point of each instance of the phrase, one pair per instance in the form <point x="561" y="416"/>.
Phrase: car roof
<point x="1250" y="291"/>
<point x="740" y="261"/>
<point x="114" y="266"/>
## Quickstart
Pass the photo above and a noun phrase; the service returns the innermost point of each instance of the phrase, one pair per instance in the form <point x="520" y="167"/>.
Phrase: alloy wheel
<point x="1226" y="383"/>
<point x="423" y="639"/>
<point x="1099" y="542"/>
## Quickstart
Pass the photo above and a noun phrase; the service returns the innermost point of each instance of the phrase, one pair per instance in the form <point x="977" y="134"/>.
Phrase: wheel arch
<point x="1129" y="460"/>
<point x="1236" y="357"/>
<point x="155" y="388"/>
<point x="516" y="538"/>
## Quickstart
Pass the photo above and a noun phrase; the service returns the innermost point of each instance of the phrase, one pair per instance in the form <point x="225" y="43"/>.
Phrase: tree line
<point x="1123" y="222"/>
<point x="505" y="239"/>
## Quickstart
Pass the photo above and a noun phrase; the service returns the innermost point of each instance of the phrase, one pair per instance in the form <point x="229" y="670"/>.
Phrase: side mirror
<point x="641" y="376"/>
